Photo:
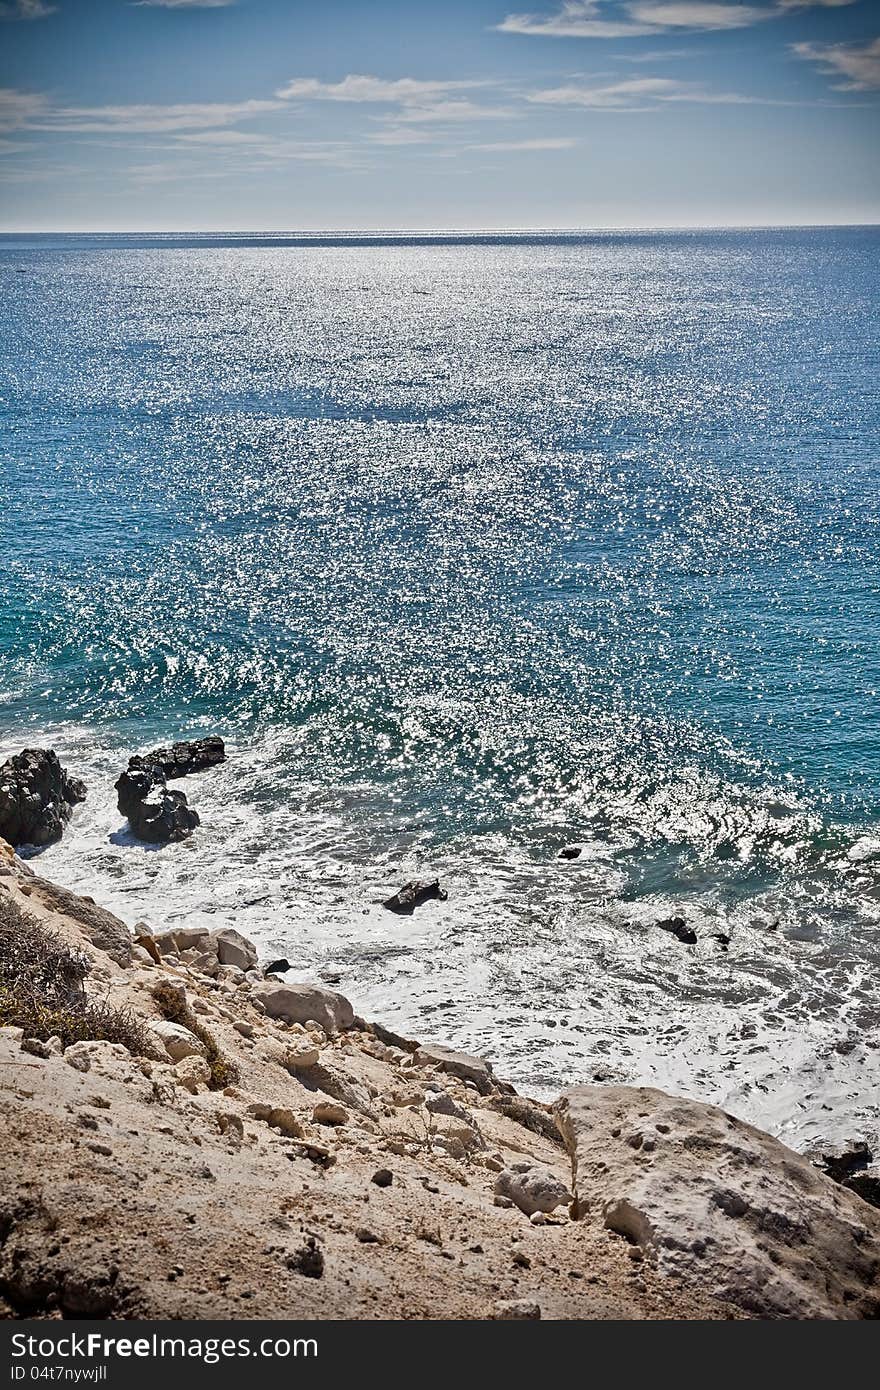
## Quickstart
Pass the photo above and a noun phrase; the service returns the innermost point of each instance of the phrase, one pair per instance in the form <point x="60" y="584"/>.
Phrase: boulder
<point x="154" y="813"/>
<point x="181" y="758"/>
<point x="235" y="949"/>
<point x="679" y="928"/>
<point x="412" y="895"/>
<point x="37" y="797"/>
<point x="177" y="1041"/>
<point x="306" y="1004"/>
<point x="532" y="1189"/>
<point x="720" y="1205"/>
<point x="461" y="1064"/>
<point x="192" y="1072"/>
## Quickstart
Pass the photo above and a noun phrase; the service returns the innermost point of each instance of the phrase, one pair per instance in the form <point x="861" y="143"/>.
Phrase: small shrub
<point x="42" y="988"/>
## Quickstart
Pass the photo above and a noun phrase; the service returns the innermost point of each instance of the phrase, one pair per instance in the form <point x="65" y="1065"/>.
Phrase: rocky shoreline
<point x="255" y="1149"/>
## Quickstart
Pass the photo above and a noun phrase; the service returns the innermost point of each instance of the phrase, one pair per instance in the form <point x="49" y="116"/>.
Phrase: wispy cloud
<point x="562" y="142"/>
<point x="17" y="108"/>
<point x="183" y="4"/>
<point x="641" y="94"/>
<point x="412" y="101"/>
<point x="693" y="14"/>
<point x="859" y="66"/>
<point x="599" y="19"/>
<point x="149" y="119"/>
<point x="26" y="9"/>
<point x="403" y="91"/>
<point x="577" y="19"/>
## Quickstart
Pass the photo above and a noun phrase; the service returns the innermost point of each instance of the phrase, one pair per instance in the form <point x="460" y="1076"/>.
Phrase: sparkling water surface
<point x="471" y="547"/>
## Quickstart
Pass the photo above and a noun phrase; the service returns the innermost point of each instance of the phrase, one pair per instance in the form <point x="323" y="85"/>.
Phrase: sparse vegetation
<point x="174" y="1007"/>
<point x="42" y="988"/>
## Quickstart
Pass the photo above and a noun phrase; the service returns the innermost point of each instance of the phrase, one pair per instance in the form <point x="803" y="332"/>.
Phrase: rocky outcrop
<point x="181" y="758"/>
<point x="306" y="1004"/>
<point x="235" y="949"/>
<point x="474" y="1069"/>
<point x="412" y="895"/>
<point x="104" y="931"/>
<point x="37" y="798"/>
<point x="154" y="813"/>
<point x="721" y="1205"/>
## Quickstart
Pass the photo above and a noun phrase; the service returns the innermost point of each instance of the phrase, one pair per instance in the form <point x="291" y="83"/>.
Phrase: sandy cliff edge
<point x="343" y="1176"/>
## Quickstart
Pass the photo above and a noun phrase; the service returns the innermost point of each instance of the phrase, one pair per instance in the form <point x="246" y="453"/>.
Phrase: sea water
<point x="472" y="547"/>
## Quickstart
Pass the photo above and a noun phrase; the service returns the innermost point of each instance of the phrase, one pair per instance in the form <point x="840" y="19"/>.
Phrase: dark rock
<point x="841" y="1161"/>
<point x="866" y="1184"/>
<point x="679" y="929"/>
<point x="722" y="938"/>
<point x="570" y="852"/>
<point x="278" y="967"/>
<point x="36" y="798"/>
<point x="182" y="758"/>
<point x="383" y="1177"/>
<point x="412" y="895"/>
<point x="154" y="813"/>
<point x="308" y="1260"/>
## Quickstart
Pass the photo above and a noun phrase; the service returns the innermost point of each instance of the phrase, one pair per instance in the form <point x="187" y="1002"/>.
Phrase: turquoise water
<point x="472" y="547"/>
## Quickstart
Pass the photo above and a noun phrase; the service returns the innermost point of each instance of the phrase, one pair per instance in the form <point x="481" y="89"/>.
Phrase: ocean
<point x="472" y="546"/>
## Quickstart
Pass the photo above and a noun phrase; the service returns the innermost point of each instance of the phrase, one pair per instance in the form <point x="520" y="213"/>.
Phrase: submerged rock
<point x="37" y="797"/>
<point x="721" y="1206"/>
<point x="679" y="929"/>
<point x="412" y="895"/>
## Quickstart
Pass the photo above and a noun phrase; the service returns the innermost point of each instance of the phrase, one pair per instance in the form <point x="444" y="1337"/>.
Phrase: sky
<point x="284" y="115"/>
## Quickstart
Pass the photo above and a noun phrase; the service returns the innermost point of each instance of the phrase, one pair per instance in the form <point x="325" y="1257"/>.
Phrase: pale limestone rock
<point x="234" y="949"/>
<point x="535" y="1190"/>
<point x="474" y="1069"/>
<point x="329" y="1113"/>
<point x="517" y="1308"/>
<point x="177" y="1041"/>
<point x="304" y="1003"/>
<point x="192" y="1072"/>
<point x="720" y="1205"/>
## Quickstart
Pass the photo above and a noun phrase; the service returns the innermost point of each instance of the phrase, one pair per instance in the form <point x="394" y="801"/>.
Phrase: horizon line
<point x="402" y="231"/>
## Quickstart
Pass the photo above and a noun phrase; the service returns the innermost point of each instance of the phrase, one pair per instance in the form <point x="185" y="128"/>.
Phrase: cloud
<point x="858" y="65"/>
<point x="641" y="94"/>
<point x="415" y="101"/>
<point x="598" y="19"/>
<point x="563" y="142"/>
<point x="578" y="19"/>
<point x="145" y="119"/>
<point x="18" y="109"/>
<point x="403" y="91"/>
<point x="184" y="4"/>
<point x="693" y="14"/>
<point x="26" y="9"/>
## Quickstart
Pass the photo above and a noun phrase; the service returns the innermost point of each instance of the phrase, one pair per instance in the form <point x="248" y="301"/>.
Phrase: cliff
<point x="183" y="1138"/>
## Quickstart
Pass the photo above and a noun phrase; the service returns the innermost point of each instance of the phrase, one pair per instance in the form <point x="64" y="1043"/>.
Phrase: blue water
<point x="472" y="546"/>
